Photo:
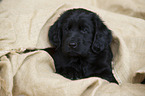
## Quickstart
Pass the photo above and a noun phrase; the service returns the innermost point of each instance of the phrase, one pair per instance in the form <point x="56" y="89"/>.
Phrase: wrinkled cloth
<point x="24" y="24"/>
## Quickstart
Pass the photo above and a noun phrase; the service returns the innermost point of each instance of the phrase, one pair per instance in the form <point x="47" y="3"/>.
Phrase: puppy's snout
<point x="73" y="44"/>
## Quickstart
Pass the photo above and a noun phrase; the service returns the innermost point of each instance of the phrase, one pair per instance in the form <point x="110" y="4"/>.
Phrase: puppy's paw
<point x="69" y="73"/>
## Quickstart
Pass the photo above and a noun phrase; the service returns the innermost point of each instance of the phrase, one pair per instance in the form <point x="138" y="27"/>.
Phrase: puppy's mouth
<point x="73" y="53"/>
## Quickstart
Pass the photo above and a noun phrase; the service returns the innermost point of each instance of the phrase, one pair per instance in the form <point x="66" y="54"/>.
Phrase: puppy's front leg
<point x="69" y="72"/>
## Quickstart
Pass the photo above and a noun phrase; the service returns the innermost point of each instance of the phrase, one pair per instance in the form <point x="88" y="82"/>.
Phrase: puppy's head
<point x="78" y="32"/>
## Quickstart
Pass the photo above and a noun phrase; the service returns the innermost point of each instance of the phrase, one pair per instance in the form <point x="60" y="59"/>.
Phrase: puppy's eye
<point x="84" y="30"/>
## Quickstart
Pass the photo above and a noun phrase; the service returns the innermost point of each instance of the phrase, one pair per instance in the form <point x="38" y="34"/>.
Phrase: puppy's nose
<point x="73" y="45"/>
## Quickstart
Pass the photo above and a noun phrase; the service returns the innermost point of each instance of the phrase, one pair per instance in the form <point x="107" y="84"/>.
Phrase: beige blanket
<point x="24" y="25"/>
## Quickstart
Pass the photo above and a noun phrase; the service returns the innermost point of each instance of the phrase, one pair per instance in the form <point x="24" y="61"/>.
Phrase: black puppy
<point x="82" y="45"/>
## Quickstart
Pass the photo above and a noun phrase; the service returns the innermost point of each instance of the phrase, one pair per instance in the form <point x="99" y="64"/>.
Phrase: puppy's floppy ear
<point x="102" y="35"/>
<point x="55" y="34"/>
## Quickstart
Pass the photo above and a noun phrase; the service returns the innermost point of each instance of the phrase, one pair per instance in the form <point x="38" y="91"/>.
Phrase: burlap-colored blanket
<point x="24" y="24"/>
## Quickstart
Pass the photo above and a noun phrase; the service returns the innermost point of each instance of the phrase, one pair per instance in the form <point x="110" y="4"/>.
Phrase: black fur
<point x="82" y="45"/>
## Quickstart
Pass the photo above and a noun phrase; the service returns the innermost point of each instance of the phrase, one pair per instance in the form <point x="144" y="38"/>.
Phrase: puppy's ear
<point x="102" y="35"/>
<point x="55" y="34"/>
